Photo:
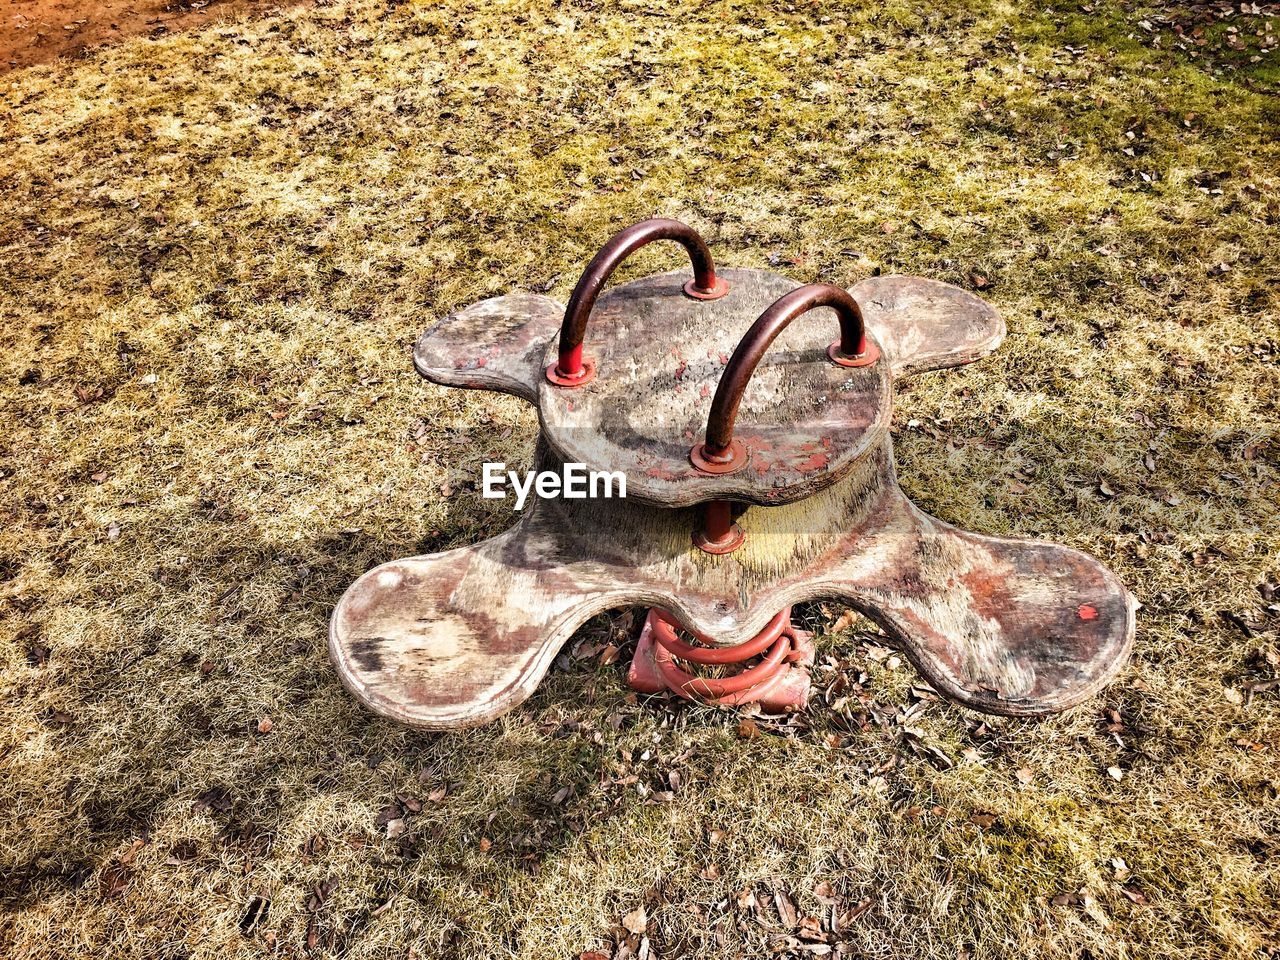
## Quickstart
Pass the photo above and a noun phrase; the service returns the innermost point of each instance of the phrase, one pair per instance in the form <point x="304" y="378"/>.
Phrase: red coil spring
<point x="777" y="643"/>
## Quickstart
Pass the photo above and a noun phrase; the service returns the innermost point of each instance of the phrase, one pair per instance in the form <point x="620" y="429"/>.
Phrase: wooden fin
<point x="1005" y="626"/>
<point x="926" y="324"/>
<point x="496" y="344"/>
<point x="454" y="639"/>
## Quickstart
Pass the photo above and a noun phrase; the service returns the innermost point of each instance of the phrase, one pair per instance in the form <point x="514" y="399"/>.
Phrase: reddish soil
<point x="36" y="31"/>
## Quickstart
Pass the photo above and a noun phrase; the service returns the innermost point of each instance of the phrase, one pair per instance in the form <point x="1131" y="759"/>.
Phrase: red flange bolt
<point x="571" y="368"/>
<point x="719" y="534"/>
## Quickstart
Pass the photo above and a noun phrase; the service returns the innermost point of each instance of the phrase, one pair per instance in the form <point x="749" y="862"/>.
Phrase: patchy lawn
<point x="215" y="251"/>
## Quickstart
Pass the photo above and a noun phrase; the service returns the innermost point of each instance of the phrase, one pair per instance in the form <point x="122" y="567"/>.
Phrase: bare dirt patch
<point x="37" y="31"/>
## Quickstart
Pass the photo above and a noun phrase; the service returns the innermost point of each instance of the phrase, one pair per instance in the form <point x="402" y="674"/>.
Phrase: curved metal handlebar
<point x="720" y="453"/>
<point x="571" y="369"/>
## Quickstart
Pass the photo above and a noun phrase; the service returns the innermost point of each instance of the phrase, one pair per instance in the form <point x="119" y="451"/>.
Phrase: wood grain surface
<point x="659" y="356"/>
<point x="496" y="344"/>
<point x="927" y="324"/>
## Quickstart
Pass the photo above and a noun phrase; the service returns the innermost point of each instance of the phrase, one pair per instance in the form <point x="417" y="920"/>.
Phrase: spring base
<point x="779" y="681"/>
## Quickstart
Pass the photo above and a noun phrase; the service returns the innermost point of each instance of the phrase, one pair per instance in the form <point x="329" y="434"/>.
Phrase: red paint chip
<point x="1087" y="612"/>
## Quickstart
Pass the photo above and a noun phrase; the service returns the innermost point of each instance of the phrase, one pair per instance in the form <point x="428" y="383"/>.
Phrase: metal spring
<point x="776" y="642"/>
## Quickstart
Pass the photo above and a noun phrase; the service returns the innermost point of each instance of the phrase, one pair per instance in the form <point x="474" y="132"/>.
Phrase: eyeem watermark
<point x="576" y="482"/>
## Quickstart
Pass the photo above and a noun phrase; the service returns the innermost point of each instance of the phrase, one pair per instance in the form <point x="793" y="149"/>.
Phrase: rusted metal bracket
<point x="719" y="453"/>
<point x="571" y="369"/>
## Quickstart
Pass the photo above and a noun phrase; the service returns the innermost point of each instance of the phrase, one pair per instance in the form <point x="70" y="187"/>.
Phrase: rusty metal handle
<point x="720" y="453"/>
<point x="571" y="369"/>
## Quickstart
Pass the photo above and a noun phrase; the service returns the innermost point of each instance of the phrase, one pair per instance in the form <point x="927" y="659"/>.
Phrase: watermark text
<point x="573" y="482"/>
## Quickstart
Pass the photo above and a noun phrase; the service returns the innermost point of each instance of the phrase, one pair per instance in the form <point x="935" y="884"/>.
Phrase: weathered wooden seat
<point x="660" y="358"/>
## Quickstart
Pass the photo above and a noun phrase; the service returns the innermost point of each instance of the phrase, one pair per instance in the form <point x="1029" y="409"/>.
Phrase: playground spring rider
<point x="759" y="474"/>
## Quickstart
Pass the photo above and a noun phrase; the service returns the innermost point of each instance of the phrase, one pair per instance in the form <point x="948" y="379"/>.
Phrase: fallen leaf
<point x="1115" y="773"/>
<point x="637" y="921"/>
<point x="114" y="879"/>
<point x="811" y="929"/>
<point x="748" y="729"/>
<point x="849" y="916"/>
<point x="844" y="621"/>
<point x="215" y="798"/>
<point x="786" y="909"/>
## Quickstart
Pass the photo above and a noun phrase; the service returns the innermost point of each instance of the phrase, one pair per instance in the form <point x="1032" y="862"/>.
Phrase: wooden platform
<point x="1005" y="626"/>
<point x="660" y="354"/>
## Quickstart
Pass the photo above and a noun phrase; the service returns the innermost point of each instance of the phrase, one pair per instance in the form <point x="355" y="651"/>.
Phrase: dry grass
<point x="215" y="251"/>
